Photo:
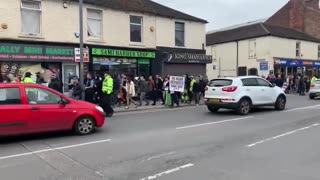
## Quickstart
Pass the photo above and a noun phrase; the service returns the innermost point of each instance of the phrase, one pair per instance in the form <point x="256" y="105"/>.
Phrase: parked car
<point x="32" y="108"/>
<point x="243" y="94"/>
<point x="314" y="90"/>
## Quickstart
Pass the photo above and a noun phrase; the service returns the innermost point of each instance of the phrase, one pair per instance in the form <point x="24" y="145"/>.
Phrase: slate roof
<point x="254" y="31"/>
<point x="144" y="6"/>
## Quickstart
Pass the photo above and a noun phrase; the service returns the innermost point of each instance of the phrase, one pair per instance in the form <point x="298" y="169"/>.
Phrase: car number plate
<point x="214" y="100"/>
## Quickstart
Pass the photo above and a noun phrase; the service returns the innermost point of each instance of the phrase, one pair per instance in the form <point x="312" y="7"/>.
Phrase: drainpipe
<point x="237" y="64"/>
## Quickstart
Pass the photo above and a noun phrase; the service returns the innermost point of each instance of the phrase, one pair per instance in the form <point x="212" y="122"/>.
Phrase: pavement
<point x="187" y="143"/>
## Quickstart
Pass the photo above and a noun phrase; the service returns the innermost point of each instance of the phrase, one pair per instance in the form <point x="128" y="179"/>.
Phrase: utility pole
<point x="81" y="45"/>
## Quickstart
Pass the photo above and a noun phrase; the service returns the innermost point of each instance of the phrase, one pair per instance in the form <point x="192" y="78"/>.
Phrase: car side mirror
<point x="273" y="85"/>
<point x="63" y="102"/>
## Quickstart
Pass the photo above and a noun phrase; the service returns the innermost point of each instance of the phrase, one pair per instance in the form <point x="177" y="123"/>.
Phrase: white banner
<point x="85" y="54"/>
<point x="177" y="83"/>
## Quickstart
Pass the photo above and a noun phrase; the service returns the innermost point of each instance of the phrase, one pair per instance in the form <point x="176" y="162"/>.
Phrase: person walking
<point x="197" y="90"/>
<point x="191" y="94"/>
<point x="166" y="85"/>
<point x="107" y="90"/>
<point x="152" y="88"/>
<point x="130" y="88"/>
<point x="144" y="89"/>
<point x="307" y="83"/>
<point x="302" y="86"/>
<point x="89" y="88"/>
<point x="158" y="90"/>
<point x="77" y="90"/>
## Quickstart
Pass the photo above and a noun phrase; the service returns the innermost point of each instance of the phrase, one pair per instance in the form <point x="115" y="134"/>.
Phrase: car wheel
<point x="280" y="103"/>
<point x="244" y="107"/>
<point x="213" y="109"/>
<point x="311" y="97"/>
<point x="84" y="125"/>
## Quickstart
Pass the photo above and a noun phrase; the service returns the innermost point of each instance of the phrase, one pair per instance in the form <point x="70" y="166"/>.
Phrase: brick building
<point x="301" y="15"/>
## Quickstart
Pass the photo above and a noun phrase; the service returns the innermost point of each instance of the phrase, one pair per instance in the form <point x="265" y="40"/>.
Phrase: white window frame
<point x="92" y="18"/>
<point x="31" y="9"/>
<point x="298" y="49"/>
<point x="184" y="33"/>
<point x="135" y="24"/>
<point x="252" y="48"/>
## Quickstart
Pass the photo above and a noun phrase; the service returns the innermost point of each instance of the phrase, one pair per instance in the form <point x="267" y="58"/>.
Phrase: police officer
<point x="27" y="78"/>
<point x="107" y="92"/>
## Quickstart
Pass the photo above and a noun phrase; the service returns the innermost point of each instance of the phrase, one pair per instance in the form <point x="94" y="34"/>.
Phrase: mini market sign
<point x="123" y="53"/>
<point x="35" y="52"/>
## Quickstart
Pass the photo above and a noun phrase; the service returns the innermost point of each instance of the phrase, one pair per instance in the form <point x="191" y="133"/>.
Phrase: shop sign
<point x="296" y="63"/>
<point x="123" y="53"/>
<point x="264" y="66"/>
<point x="144" y="61"/>
<point x="23" y="52"/>
<point x="189" y="58"/>
<point x="85" y="54"/>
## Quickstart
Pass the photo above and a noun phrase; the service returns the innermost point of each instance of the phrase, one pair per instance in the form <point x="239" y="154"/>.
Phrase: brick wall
<point x="301" y="15"/>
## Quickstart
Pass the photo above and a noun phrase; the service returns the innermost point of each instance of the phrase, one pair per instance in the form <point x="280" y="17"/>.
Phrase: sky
<point x="224" y="13"/>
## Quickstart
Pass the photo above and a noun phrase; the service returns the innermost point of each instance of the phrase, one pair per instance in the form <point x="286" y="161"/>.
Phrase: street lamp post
<point x="81" y="44"/>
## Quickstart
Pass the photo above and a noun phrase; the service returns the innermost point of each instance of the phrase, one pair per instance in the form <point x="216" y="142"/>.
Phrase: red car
<point x="32" y="108"/>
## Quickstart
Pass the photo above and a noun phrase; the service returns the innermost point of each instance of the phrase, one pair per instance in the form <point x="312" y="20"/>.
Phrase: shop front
<point x="131" y="62"/>
<point x="288" y="66"/>
<point x="182" y="61"/>
<point x="43" y="61"/>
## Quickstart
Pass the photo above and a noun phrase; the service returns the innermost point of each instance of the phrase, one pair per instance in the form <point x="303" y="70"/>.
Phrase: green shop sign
<point x="35" y="52"/>
<point x="123" y="53"/>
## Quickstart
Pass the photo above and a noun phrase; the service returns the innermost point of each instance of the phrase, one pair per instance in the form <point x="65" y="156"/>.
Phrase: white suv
<point x="243" y="94"/>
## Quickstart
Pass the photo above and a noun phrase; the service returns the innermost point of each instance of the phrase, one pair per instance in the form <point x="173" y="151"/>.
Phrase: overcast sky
<point x="224" y="13"/>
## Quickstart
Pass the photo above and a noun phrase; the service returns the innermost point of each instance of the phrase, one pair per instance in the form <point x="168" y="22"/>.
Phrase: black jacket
<point x="197" y="88"/>
<point x="159" y="84"/>
<point x="55" y="86"/>
<point x="77" y="90"/>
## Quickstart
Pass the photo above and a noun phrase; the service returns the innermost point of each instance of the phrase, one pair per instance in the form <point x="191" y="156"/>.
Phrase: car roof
<point x="238" y="77"/>
<point x="4" y="85"/>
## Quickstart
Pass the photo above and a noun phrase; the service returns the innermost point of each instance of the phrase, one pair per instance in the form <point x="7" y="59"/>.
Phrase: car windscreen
<point x="220" y="82"/>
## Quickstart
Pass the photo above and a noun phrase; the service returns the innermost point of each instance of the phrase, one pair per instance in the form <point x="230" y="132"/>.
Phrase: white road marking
<point x="161" y="155"/>
<point x="54" y="149"/>
<point x="302" y="108"/>
<point x="212" y="123"/>
<point x="168" y="172"/>
<point x="281" y="135"/>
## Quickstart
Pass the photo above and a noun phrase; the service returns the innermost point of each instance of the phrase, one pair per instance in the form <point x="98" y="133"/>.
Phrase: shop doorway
<point x="69" y="71"/>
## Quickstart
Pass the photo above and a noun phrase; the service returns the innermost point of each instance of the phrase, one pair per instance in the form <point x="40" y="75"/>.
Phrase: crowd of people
<point x="296" y="83"/>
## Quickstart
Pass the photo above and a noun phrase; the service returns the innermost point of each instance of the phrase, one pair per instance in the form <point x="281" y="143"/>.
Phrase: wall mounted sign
<point x="189" y="58"/>
<point x="123" y="53"/>
<point x="296" y="63"/>
<point x="85" y="54"/>
<point x="22" y="52"/>
<point x="264" y="66"/>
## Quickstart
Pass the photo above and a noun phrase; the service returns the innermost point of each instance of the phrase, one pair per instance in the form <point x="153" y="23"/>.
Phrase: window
<point x="298" y="49"/>
<point x="179" y="30"/>
<point x="135" y="29"/>
<point x="10" y="96"/>
<point x="250" y="82"/>
<point x="319" y="51"/>
<point x="220" y="82"/>
<point x="252" y="49"/>
<point x="41" y="96"/>
<point x="30" y="17"/>
<point x="94" y="23"/>
<point x="264" y="83"/>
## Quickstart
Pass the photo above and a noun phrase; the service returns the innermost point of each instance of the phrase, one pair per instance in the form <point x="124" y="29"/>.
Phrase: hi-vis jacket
<point x="107" y="85"/>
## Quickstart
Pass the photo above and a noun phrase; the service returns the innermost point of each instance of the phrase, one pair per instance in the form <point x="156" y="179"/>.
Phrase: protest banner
<point x="176" y="83"/>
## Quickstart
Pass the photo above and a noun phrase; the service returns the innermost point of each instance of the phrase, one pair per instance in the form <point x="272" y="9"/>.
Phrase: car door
<point x="47" y="111"/>
<point x="14" y="114"/>
<point x="268" y="94"/>
<point x="252" y="90"/>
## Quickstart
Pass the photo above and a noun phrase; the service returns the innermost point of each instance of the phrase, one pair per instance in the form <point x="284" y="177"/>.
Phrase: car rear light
<point x="312" y="86"/>
<point x="206" y="88"/>
<point x="230" y="89"/>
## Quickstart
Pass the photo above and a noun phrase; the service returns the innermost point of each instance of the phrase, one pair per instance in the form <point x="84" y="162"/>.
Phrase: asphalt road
<point x="172" y="144"/>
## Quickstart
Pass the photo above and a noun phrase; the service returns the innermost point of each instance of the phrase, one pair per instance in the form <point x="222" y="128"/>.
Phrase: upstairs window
<point x="136" y="29"/>
<point x="252" y="49"/>
<point x="298" y="49"/>
<point x="94" y="23"/>
<point x="30" y="17"/>
<point x="179" y="33"/>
